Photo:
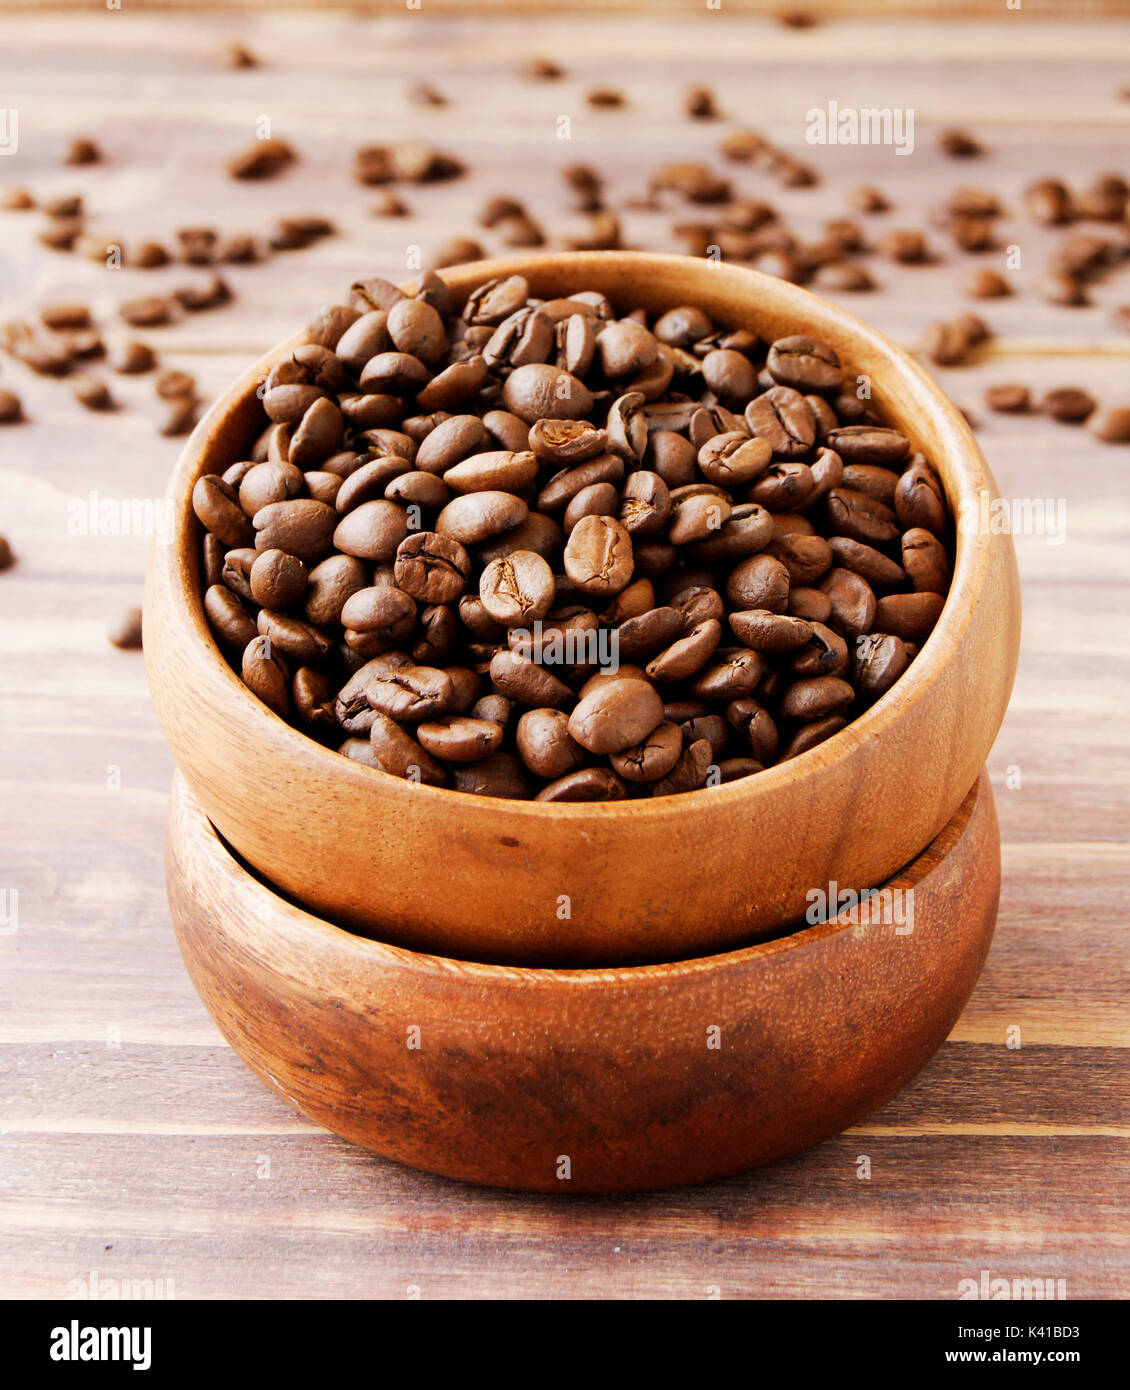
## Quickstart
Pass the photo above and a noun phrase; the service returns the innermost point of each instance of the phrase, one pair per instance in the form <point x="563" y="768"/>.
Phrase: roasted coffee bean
<point x="810" y="735"/>
<point x="816" y="698"/>
<point x="1070" y="405"/>
<point x="909" y="616"/>
<point x="517" y="589"/>
<point x="688" y="655"/>
<point x="265" y="483"/>
<point x="398" y="753"/>
<point x="458" y="738"/>
<point x="615" y="714"/>
<point x="805" y="557"/>
<point x="824" y="654"/>
<point x="312" y="691"/>
<point x="761" y="581"/>
<point x="528" y="683"/>
<point x="812" y="605"/>
<point x="539" y="391"/>
<point x="378" y="619"/>
<point x="11" y="409"/>
<point x="276" y="579"/>
<point x="598" y="556"/>
<point x="870" y="564"/>
<point x="545" y="744"/>
<point x="265" y="674"/>
<point x="878" y="662"/>
<point x="217" y="508"/>
<point x="653" y="757"/>
<point x="302" y="528"/>
<point x="860" y="517"/>
<point x="329" y="585"/>
<point x="784" y="419"/>
<point x="410" y="693"/>
<point x="565" y="442"/>
<point x="919" y="500"/>
<point x="587" y="784"/>
<point x="497" y="471"/>
<point x="1008" y="398"/>
<point x="477" y="516"/>
<point x="124" y="631"/>
<point x="925" y="561"/>
<point x="1112" y="426"/>
<point x="853" y="601"/>
<point x="689" y="773"/>
<point x="804" y="363"/>
<point x="295" y="639"/>
<point x="432" y="568"/>
<point x="734" y="459"/>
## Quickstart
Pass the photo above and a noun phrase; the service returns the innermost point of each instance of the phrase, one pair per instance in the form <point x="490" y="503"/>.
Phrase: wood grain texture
<point x="997" y="1156"/>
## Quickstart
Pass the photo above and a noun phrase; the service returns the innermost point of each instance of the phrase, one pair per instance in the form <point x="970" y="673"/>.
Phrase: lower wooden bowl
<point x="601" y="1080"/>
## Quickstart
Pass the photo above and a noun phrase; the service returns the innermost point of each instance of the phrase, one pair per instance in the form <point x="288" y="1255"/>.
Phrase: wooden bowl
<point x="641" y="1076"/>
<point x="483" y="879"/>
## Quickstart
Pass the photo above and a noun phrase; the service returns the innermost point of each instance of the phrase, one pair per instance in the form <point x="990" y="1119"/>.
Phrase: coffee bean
<point x="545" y="744"/>
<point x="1009" y="399"/>
<point x="496" y="471"/>
<point x="217" y="508"/>
<point x="11" y="409"/>
<point x="538" y="391"/>
<point x="1112" y="426"/>
<point x="878" y="662"/>
<point x="517" y="589"/>
<point x="909" y="616"/>
<point x="925" y="561"/>
<point x="919" y="500"/>
<point x="804" y="363"/>
<point x="687" y="655"/>
<point x="614" y="715"/>
<point x="784" y="419"/>
<point x="523" y="680"/>
<point x="587" y="784"/>
<point x="653" y="757"/>
<point x="853" y="601"/>
<point x="477" y="516"/>
<point x="124" y="631"/>
<point x="816" y="698"/>
<point x="399" y="754"/>
<point x="302" y="642"/>
<point x="690" y="771"/>
<point x="410" y="693"/>
<point x="276" y="579"/>
<point x="810" y="735"/>
<point x="870" y="564"/>
<point x="302" y="528"/>
<point x="265" y="674"/>
<point x="1069" y="404"/>
<point x="459" y="739"/>
<point x="598" y="556"/>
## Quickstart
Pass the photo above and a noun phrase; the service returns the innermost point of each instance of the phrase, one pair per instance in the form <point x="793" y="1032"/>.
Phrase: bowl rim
<point x="281" y="914"/>
<point x="180" y="561"/>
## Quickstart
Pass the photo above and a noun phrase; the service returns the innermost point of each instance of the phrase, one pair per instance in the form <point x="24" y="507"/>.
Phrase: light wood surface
<point x="132" y="1136"/>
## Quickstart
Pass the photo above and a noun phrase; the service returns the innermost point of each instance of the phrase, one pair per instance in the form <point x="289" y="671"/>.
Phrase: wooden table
<point x="132" y="1141"/>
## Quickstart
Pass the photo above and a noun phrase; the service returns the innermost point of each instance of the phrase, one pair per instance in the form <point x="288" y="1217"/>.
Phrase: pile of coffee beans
<point x="548" y="549"/>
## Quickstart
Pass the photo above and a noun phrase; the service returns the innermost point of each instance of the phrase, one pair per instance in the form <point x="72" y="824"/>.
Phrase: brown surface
<point x="608" y="1080"/>
<point x="133" y="1136"/>
<point x="312" y="822"/>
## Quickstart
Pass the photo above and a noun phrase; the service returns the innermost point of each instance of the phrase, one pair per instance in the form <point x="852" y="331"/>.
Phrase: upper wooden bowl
<point x="483" y="879"/>
<point x="640" y="1076"/>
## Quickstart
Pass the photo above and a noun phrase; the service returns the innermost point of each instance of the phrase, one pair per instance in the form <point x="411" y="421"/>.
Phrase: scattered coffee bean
<point x="1112" y="425"/>
<point x="150" y="312"/>
<point x="983" y="283"/>
<point x="262" y="160"/>
<point x="7" y="559"/>
<point x="83" y="151"/>
<point x="92" y="393"/>
<point x="1070" y="405"/>
<point x="1008" y="399"/>
<point x="11" y="408"/>
<point x="16" y="200"/>
<point x="959" y="144"/>
<point x="125" y="630"/>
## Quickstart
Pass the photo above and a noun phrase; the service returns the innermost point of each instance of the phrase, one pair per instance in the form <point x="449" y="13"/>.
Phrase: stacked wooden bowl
<point x="389" y="957"/>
